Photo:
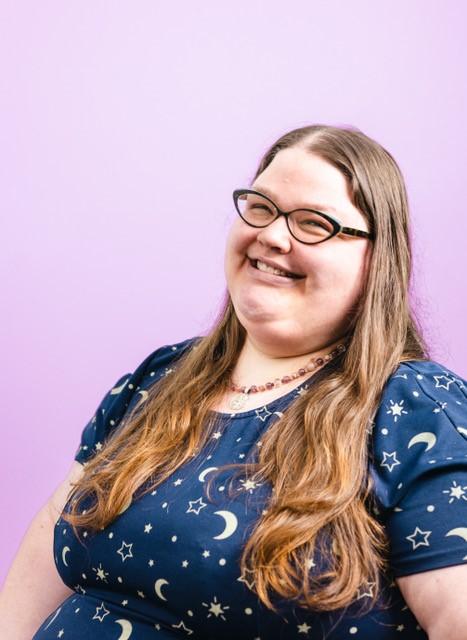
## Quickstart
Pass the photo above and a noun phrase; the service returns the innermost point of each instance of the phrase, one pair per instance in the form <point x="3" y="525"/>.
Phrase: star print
<point x="216" y="608"/>
<point x="303" y="628"/>
<point x="151" y="563"/>
<point x="248" y="581"/>
<point x="178" y="482"/>
<point x="310" y="563"/>
<point x="185" y="563"/>
<point x="419" y="543"/>
<point x="263" y="413"/>
<point x="125" y="551"/>
<point x="249" y="485"/>
<point x="181" y="625"/>
<point x="124" y="602"/>
<point x="60" y="633"/>
<point x="445" y="382"/>
<point x="440" y="407"/>
<point x="217" y="435"/>
<point x="367" y="590"/>
<point x="98" y="446"/>
<point x="400" y="627"/>
<point x="206" y="553"/>
<point x="101" y="574"/>
<point x="301" y="391"/>
<point x="196" y="510"/>
<point x="147" y="528"/>
<point x="389" y="456"/>
<point x="396" y="409"/>
<point x="100" y="616"/>
<point x="456" y="492"/>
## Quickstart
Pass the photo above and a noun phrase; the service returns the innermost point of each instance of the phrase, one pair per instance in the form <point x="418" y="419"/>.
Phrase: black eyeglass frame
<point x="337" y="227"/>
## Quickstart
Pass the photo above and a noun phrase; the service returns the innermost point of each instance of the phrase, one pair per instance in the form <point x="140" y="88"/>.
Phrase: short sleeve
<point x="123" y="396"/>
<point x="419" y="467"/>
<point x="108" y="414"/>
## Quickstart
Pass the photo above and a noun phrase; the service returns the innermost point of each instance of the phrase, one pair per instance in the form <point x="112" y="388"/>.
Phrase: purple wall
<point x="124" y="128"/>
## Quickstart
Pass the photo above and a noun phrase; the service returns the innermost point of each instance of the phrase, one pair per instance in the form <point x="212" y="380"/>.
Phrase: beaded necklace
<point x="238" y="401"/>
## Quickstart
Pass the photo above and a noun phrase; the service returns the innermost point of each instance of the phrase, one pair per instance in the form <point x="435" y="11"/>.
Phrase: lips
<point x="279" y="270"/>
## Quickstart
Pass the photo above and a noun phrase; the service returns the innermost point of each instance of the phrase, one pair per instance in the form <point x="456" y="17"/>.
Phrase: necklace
<point x="238" y="401"/>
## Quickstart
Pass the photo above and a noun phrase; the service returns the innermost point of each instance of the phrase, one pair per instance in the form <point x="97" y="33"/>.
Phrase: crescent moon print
<point x="158" y="588"/>
<point x="206" y="471"/>
<point x="458" y="531"/>
<point x="127" y="628"/>
<point x="144" y="395"/>
<point x="426" y="437"/>
<point x="231" y="524"/>
<point x="64" y="552"/>
<point x="50" y="621"/>
<point x="117" y="390"/>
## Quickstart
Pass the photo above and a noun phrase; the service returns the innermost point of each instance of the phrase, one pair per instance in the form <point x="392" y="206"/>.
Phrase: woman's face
<point x="295" y="316"/>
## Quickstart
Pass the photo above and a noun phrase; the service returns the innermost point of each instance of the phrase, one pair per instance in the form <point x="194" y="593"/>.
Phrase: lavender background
<point x="124" y="128"/>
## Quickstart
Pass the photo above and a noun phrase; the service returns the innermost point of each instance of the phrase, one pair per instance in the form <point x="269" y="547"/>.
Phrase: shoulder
<point x="128" y="390"/>
<point x="158" y="364"/>
<point x="421" y="386"/>
<point x="420" y="425"/>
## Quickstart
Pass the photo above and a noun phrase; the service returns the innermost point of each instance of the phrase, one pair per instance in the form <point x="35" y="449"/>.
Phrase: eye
<point x="261" y="207"/>
<point x="259" y="211"/>
<point x="313" y="223"/>
<point x="308" y="224"/>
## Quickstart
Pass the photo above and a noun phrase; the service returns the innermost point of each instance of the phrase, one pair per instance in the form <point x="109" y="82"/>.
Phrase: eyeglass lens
<point x="305" y="225"/>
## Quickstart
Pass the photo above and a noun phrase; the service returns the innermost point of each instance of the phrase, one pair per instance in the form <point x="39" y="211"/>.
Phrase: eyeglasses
<point x="305" y="225"/>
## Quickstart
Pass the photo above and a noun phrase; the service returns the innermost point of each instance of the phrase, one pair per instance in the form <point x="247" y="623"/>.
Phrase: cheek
<point x="235" y="247"/>
<point x="238" y="240"/>
<point x="332" y="273"/>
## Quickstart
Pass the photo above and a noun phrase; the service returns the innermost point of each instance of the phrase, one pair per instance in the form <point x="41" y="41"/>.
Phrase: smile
<point x="265" y="268"/>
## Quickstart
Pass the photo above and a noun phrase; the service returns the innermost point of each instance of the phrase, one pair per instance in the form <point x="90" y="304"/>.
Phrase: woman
<point x="300" y="472"/>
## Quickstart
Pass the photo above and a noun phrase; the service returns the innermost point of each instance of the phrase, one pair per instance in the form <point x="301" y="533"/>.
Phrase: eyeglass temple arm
<point x="356" y="232"/>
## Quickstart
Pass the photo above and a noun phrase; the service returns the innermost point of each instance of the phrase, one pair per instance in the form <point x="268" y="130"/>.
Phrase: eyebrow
<point x="317" y="207"/>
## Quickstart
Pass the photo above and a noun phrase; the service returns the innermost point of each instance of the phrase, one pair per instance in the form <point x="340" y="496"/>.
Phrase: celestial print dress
<point x="168" y="566"/>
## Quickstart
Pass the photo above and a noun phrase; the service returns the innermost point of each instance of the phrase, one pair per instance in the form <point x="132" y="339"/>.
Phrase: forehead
<point x="297" y="178"/>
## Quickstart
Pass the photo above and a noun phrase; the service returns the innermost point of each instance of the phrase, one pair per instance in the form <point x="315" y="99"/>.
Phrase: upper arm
<point x="420" y="473"/>
<point x="437" y="599"/>
<point x="28" y="597"/>
<point x="57" y="501"/>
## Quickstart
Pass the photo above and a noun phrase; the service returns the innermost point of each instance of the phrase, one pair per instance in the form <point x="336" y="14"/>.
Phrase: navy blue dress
<point x="167" y="567"/>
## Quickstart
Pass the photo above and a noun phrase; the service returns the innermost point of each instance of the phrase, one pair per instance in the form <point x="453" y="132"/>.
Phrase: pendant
<point x="238" y="401"/>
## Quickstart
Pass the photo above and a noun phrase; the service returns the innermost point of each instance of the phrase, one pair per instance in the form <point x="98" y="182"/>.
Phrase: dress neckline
<point x="268" y="408"/>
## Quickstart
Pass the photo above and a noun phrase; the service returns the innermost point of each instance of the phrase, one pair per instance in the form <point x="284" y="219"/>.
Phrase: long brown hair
<point x="316" y="455"/>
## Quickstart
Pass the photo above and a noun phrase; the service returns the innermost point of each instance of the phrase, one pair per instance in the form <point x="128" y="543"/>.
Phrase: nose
<point x="276" y="235"/>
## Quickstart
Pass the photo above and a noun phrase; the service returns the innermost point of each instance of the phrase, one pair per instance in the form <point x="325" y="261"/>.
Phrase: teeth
<point x="265" y="267"/>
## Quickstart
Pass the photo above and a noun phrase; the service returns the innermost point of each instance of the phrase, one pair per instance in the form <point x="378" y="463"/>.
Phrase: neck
<point x="255" y="365"/>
